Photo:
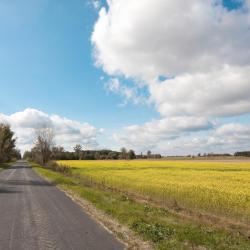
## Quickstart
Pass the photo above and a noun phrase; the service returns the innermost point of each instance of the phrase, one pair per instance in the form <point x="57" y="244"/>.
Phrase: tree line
<point x="59" y="153"/>
<point x="8" y="150"/>
<point x="243" y="153"/>
<point x="44" y="150"/>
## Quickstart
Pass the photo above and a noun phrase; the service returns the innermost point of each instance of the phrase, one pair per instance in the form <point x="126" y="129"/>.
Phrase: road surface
<point x="35" y="215"/>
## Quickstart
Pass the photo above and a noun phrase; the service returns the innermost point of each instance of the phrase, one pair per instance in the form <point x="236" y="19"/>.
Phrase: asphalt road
<point x="35" y="215"/>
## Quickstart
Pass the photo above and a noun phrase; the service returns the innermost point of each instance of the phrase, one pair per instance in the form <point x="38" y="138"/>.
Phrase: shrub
<point x="62" y="168"/>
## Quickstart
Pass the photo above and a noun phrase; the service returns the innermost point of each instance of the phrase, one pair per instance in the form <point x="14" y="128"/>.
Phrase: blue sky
<point x="47" y="64"/>
<point x="232" y="4"/>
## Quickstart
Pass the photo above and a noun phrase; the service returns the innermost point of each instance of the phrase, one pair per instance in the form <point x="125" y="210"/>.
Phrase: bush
<point x="65" y="169"/>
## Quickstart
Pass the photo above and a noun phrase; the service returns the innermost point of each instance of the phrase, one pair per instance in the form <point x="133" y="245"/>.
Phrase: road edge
<point x="121" y="232"/>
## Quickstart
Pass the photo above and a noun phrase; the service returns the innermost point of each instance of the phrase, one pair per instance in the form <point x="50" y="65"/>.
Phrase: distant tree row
<point x="149" y="155"/>
<point x="243" y="153"/>
<point x="8" y="149"/>
<point x="44" y="151"/>
<point x="213" y="155"/>
<point x="59" y="153"/>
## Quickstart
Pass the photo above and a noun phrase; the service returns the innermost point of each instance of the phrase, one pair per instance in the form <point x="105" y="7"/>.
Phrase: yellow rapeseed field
<point x="221" y="188"/>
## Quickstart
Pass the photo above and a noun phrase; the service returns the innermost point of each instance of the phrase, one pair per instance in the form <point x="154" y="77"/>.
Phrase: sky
<point x="165" y="76"/>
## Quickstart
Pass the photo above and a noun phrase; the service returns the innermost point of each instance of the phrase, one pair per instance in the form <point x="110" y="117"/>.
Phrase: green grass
<point x="5" y="165"/>
<point x="163" y="229"/>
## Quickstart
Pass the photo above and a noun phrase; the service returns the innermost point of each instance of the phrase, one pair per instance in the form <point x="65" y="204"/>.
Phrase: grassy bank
<point x="164" y="229"/>
<point x="5" y="165"/>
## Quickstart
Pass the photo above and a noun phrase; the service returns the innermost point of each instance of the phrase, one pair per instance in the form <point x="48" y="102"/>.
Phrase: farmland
<point x="217" y="188"/>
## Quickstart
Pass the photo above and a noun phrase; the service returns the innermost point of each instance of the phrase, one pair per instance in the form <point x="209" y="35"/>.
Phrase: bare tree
<point x="43" y="144"/>
<point x="123" y="153"/>
<point x="149" y="154"/>
<point x="78" y="150"/>
<point x="57" y="152"/>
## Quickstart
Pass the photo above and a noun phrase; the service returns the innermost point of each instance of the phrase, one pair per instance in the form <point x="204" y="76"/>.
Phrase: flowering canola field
<point x="221" y="188"/>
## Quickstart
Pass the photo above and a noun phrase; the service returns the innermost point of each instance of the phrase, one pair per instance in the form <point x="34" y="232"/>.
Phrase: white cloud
<point x="168" y="140"/>
<point x="223" y="92"/>
<point x="201" y="47"/>
<point x="202" y="44"/>
<point x="67" y="132"/>
<point x="151" y="134"/>
<point x="164" y="37"/>
<point x="128" y="93"/>
<point x="225" y="138"/>
<point x="233" y="134"/>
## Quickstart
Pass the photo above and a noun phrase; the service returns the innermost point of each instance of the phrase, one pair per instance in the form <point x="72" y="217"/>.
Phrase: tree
<point x="16" y="154"/>
<point x="123" y="153"/>
<point x="149" y="154"/>
<point x="7" y="142"/>
<point x="43" y="145"/>
<point x="27" y="155"/>
<point x="57" y="153"/>
<point x="112" y="155"/>
<point x="243" y="153"/>
<point x="97" y="155"/>
<point x="131" y="154"/>
<point x="78" y="150"/>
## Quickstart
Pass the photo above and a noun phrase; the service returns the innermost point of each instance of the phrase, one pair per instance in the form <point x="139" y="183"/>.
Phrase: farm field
<point x="217" y="188"/>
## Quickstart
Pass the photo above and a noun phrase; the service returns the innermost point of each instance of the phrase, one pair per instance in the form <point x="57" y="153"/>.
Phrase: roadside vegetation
<point x="4" y="165"/>
<point x="8" y="151"/>
<point x="163" y="228"/>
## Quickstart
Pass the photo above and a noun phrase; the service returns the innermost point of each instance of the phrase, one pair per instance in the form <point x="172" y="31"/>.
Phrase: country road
<point x="37" y="215"/>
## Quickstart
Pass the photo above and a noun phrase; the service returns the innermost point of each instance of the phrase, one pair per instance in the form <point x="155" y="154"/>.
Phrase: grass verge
<point x="162" y="228"/>
<point x="5" y="165"/>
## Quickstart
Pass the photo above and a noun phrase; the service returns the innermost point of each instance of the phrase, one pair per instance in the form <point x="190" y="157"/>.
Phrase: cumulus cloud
<point x="67" y="132"/>
<point x="181" y="141"/>
<point x="232" y="134"/>
<point x="223" y="92"/>
<point x="200" y="47"/>
<point x="150" y="134"/>
<point x="225" y="138"/>
<point x="151" y="38"/>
